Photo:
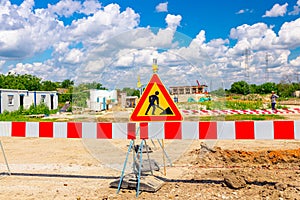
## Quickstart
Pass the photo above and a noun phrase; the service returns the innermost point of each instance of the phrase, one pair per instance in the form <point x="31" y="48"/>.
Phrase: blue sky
<point x="113" y="42"/>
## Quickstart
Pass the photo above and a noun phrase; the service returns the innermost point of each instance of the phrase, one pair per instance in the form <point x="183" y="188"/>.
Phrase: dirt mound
<point x="217" y="173"/>
<point x="221" y="157"/>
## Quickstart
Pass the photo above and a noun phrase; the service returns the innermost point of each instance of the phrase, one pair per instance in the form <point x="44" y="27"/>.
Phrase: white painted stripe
<point x="156" y="130"/>
<point x="119" y="131"/>
<point x="263" y="130"/>
<point x="190" y="130"/>
<point x="32" y="129"/>
<point x="297" y="129"/>
<point x="5" y="128"/>
<point x="226" y="130"/>
<point x="89" y="130"/>
<point x="60" y="129"/>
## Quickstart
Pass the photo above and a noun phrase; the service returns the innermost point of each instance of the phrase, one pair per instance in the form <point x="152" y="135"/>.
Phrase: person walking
<point x="273" y="100"/>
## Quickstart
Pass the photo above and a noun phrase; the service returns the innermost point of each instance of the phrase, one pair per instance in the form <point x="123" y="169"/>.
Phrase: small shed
<point x="11" y="99"/>
<point x="102" y="99"/>
<point x="296" y="93"/>
<point x="131" y="101"/>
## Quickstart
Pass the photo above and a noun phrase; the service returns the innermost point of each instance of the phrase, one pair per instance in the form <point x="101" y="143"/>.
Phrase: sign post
<point x="155" y="104"/>
<point x="2" y="149"/>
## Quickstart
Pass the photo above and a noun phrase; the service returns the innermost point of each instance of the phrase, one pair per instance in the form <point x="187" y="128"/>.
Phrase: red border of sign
<point x="177" y="115"/>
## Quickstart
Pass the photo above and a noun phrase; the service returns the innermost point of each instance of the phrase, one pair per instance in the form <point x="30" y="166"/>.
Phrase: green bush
<point x="39" y="109"/>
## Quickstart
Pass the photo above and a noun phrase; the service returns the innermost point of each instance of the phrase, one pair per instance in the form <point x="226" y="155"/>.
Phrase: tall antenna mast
<point x="267" y="68"/>
<point x="247" y="52"/>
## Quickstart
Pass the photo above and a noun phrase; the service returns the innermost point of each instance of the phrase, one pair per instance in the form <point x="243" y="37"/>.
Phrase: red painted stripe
<point x="144" y="134"/>
<point x="173" y="130"/>
<point x="244" y="130"/>
<point x="131" y="131"/>
<point x="208" y="130"/>
<point x="46" y="129"/>
<point x="18" y="129"/>
<point x="104" y="130"/>
<point x="284" y="130"/>
<point x="74" y="130"/>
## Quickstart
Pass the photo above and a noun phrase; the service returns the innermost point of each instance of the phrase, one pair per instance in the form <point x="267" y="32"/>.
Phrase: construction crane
<point x="200" y="87"/>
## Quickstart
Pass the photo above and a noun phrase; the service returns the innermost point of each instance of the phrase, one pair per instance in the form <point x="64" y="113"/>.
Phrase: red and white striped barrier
<point x="242" y="112"/>
<point x="69" y="130"/>
<point x="221" y="130"/>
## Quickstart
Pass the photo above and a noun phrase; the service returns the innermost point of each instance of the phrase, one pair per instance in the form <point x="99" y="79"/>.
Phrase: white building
<point x="296" y="93"/>
<point x="11" y="100"/>
<point x="102" y="99"/>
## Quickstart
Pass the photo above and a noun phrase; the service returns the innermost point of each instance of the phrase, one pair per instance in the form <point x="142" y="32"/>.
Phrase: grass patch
<point x="23" y="114"/>
<point x="238" y="117"/>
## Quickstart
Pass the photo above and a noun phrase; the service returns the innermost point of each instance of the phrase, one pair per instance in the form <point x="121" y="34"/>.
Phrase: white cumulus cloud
<point x="296" y="62"/>
<point x="162" y="7"/>
<point x="107" y="45"/>
<point x="277" y="10"/>
<point x="173" y="20"/>
<point x="65" y="7"/>
<point x="289" y="34"/>
<point x="296" y="9"/>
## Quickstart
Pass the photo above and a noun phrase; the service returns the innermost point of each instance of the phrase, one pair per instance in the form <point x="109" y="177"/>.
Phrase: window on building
<point x="43" y="97"/>
<point x="187" y="90"/>
<point x="194" y="91"/>
<point x="10" y="99"/>
<point x="181" y="91"/>
<point x="175" y="91"/>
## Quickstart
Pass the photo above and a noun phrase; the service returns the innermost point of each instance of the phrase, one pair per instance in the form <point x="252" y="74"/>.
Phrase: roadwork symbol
<point x="156" y="104"/>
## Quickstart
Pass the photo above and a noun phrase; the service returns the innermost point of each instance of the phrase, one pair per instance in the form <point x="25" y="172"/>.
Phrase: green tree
<point x="287" y="89"/>
<point x="20" y="82"/>
<point x="49" y="86"/>
<point x="253" y="88"/>
<point x="131" y="92"/>
<point x="67" y="83"/>
<point x="267" y="88"/>
<point x="94" y="85"/>
<point x="240" y="87"/>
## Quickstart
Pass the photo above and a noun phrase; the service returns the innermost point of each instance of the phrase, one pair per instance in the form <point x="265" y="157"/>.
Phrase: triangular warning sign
<point x="155" y="104"/>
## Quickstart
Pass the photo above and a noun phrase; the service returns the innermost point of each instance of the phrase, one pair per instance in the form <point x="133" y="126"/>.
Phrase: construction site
<point x="131" y="153"/>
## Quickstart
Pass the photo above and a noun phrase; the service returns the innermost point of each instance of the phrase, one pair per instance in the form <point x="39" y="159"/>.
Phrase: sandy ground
<point x="79" y="169"/>
<point x="53" y="168"/>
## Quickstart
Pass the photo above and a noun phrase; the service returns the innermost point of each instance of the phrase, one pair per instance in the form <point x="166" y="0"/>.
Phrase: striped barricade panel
<point x="89" y="130"/>
<point x="5" y="129"/>
<point x="264" y="130"/>
<point x="244" y="130"/>
<point x="297" y="129"/>
<point x="284" y="130"/>
<point x="46" y="129"/>
<point x="18" y="129"/>
<point x="60" y="129"/>
<point x="173" y="130"/>
<point x="225" y="130"/>
<point x="32" y="129"/>
<point x="74" y="130"/>
<point x="207" y="130"/>
<point x="152" y="130"/>
<point x="123" y="130"/>
<point x="219" y="130"/>
<point x="190" y="130"/>
<point x="104" y="130"/>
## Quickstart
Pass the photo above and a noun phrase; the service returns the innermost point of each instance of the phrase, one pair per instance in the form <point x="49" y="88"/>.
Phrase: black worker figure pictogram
<point x="154" y="98"/>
